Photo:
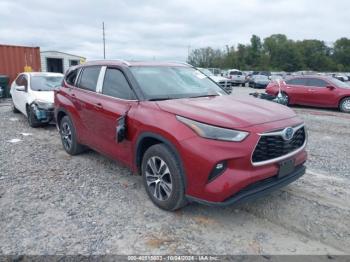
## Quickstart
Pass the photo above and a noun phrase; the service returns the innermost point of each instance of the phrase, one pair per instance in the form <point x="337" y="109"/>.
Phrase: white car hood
<point x="45" y="96"/>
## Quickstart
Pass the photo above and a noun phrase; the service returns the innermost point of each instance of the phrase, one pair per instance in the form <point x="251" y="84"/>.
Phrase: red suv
<point x="319" y="91"/>
<point x="188" y="139"/>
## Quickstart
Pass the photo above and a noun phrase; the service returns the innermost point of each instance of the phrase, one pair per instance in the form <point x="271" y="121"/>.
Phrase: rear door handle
<point x="312" y="90"/>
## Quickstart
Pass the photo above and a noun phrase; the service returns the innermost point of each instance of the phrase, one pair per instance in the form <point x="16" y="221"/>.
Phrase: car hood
<point x="45" y="96"/>
<point x="227" y="111"/>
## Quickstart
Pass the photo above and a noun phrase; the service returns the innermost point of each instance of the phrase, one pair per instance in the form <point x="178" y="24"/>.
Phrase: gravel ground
<point x="52" y="203"/>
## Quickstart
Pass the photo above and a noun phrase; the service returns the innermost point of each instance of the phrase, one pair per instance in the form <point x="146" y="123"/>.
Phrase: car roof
<point x="135" y="63"/>
<point x="311" y="76"/>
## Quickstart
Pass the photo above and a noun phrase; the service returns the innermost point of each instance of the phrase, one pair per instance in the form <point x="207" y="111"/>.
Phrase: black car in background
<point x="259" y="81"/>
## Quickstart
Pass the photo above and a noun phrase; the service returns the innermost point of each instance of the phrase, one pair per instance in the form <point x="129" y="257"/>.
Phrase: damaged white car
<point x="33" y="95"/>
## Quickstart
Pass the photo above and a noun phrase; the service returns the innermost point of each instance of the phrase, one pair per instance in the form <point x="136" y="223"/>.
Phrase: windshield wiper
<point x="206" y="95"/>
<point x="159" y="98"/>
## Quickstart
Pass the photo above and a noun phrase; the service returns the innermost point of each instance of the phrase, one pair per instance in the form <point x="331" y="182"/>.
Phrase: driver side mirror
<point x="330" y="87"/>
<point x="21" y="88"/>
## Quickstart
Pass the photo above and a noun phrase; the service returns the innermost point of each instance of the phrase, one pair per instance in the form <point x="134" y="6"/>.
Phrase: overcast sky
<point x="163" y="30"/>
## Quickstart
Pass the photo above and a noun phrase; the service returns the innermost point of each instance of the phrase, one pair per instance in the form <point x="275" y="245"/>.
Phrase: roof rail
<point x="123" y="61"/>
<point x="110" y="60"/>
<point x="180" y="62"/>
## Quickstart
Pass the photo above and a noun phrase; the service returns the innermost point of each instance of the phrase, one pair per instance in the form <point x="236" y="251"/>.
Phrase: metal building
<point x="59" y="62"/>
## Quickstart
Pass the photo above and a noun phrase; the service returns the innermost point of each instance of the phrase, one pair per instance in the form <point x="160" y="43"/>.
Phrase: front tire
<point x="344" y="105"/>
<point x="163" y="178"/>
<point x="32" y="121"/>
<point x="69" y="137"/>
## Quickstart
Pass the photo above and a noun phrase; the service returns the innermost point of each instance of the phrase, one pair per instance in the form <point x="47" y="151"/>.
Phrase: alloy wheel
<point x="158" y="178"/>
<point x="346" y="105"/>
<point x="66" y="135"/>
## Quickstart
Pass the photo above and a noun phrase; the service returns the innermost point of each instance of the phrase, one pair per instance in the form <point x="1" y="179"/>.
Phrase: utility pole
<point x="104" y="40"/>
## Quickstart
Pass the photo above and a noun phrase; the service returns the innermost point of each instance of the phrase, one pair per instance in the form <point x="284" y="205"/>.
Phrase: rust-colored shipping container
<point x="17" y="59"/>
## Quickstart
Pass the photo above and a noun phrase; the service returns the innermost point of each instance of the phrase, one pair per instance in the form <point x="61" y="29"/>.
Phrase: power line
<point x="104" y="40"/>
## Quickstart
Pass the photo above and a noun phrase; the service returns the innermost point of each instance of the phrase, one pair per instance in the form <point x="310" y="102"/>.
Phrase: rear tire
<point x="69" y="137"/>
<point x="344" y="105"/>
<point x="163" y="178"/>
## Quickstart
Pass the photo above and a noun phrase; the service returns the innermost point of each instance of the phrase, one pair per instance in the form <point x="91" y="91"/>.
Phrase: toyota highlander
<point x="188" y="138"/>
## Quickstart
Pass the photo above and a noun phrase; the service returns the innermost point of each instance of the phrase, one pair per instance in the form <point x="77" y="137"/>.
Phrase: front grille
<point x="274" y="146"/>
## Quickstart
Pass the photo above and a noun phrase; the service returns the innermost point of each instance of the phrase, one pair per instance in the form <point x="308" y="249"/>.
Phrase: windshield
<point x="174" y="82"/>
<point x="45" y="83"/>
<point x="339" y="83"/>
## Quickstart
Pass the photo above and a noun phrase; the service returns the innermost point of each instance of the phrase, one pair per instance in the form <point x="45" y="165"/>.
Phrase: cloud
<point x="164" y="30"/>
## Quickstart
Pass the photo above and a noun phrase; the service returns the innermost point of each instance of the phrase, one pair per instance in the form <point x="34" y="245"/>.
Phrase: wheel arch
<point x="60" y="113"/>
<point x="27" y="107"/>
<point x="342" y="98"/>
<point x="148" y="139"/>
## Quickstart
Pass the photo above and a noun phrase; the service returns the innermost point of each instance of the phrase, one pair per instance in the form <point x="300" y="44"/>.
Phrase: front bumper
<point x="200" y="156"/>
<point x="43" y="115"/>
<point x="256" y="190"/>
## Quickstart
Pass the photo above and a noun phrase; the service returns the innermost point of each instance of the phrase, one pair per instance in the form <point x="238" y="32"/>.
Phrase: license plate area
<point x="286" y="167"/>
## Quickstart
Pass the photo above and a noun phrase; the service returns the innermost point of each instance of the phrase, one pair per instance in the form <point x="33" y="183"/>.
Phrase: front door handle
<point x="98" y="106"/>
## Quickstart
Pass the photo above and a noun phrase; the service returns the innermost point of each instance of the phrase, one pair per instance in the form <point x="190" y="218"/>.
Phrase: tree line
<point x="277" y="53"/>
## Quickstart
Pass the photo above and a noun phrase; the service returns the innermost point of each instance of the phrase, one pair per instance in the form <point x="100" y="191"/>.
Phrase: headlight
<point x="43" y="104"/>
<point x="213" y="132"/>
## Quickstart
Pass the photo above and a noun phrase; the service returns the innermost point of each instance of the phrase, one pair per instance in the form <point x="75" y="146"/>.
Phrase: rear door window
<point x="315" y="82"/>
<point x="116" y="85"/>
<point x="297" y="81"/>
<point x="89" y="77"/>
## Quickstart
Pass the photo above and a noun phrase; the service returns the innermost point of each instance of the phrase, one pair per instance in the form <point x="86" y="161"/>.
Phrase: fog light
<point x="218" y="169"/>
